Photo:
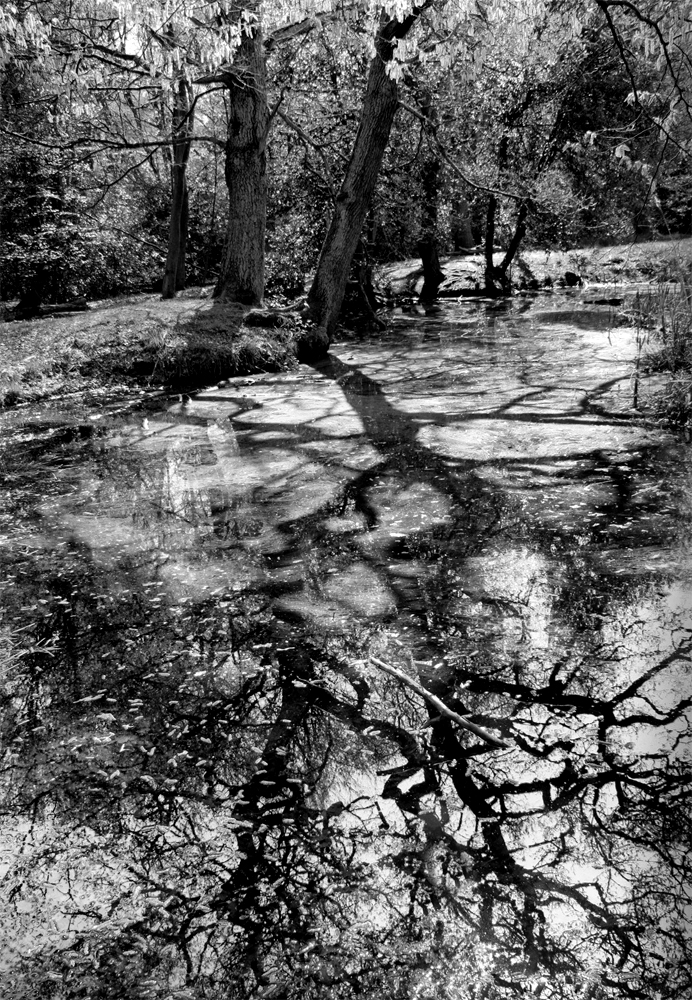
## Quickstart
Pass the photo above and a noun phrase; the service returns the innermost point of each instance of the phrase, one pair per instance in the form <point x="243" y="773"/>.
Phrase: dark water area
<point x="373" y="677"/>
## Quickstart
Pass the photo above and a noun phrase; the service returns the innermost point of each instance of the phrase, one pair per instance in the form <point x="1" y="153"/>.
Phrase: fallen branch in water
<point x="439" y="705"/>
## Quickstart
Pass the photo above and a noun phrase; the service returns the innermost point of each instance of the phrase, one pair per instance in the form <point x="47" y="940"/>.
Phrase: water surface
<point x="211" y="782"/>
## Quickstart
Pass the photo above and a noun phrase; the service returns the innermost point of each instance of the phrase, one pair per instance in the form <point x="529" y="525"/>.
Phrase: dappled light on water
<point x="373" y="676"/>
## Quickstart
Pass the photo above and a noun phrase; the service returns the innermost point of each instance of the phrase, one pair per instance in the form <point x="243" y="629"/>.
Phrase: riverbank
<point x="137" y="342"/>
<point x="657" y="262"/>
<point x="142" y="342"/>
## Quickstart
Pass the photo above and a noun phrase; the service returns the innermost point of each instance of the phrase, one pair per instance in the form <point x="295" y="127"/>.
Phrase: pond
<point x="372" y="677"/>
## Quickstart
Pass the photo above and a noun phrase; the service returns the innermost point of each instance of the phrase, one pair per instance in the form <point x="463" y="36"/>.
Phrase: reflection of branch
<point x="439" y="705"/>
<point x="681" y="653"/>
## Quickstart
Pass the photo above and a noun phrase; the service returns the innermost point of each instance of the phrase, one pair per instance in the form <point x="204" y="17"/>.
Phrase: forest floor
<point x="141" y="342"/>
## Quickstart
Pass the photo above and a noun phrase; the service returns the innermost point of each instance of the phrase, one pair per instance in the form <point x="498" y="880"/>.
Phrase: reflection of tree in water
<point x="222" y="803"/>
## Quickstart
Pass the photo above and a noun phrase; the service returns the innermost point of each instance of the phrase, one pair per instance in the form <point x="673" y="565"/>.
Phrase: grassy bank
<point x="121" y="344"/>
<point x="654" y="261"/>
<point x="662" y="316"/>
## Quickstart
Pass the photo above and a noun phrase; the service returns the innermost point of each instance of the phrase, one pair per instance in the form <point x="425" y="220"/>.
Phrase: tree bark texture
<point x="353" y="201"/>
<point x="489" y="241"/>
<point x="183" y="123"/>
<point x="497" y="281"/>
<point x="242" y="272"/>
<point x="181" y="271"/>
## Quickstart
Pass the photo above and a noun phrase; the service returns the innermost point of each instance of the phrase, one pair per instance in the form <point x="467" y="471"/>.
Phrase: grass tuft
<point x="663" y="321"/>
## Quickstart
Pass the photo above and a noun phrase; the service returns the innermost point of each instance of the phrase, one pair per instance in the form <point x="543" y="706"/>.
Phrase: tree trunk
<point x="183" y="122"/>
<point x="490" y="285"/>
<point x="242" y="272"/>
<point x="353" y="201"/>
<point x="462" y="235"/>
<point x="517" y="237"/>
<point x="181" y="273"/>
<point x="433" y="274"/>
<point x="174" y="274"/>
<point x="497" y="281"/>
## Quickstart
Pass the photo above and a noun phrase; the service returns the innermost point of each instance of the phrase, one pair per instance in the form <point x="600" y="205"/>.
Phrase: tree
<point x="654" y="45"/>
<point x="242" y="271"/>
<point x="145" y="70"/>
<point x="380" y="104"/>
<point x="181" y="133"/>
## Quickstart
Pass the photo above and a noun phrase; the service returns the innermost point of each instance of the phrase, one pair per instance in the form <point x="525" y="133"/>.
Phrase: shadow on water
<point x="373" y="677"/>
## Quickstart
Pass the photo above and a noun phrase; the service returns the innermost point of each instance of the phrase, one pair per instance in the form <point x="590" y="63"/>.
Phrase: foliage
<point x="63" y="259"/>
<point x="588" y="137"/>
<point x="663" y="319"/>
<point x="291" y="255"/>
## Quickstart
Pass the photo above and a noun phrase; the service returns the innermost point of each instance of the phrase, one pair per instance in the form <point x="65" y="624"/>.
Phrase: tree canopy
<point x="546" y="124"/>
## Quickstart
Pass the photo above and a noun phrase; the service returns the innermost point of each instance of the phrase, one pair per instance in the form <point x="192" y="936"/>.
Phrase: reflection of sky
<point x="650" y="630"/>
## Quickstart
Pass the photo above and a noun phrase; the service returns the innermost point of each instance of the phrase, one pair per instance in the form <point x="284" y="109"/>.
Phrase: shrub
<point x="61" y="259"/>
<point x="291" y="253"/>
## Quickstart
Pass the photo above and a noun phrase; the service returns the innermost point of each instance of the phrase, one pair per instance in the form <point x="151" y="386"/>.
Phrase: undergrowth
<point x="663" y="322"/>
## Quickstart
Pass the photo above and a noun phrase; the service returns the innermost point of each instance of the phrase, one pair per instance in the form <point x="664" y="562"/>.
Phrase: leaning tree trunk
<point x="497" y="280"/>
<point x="517" y="237"/>
<point x="433" y="275"/>
<point x="183" y="122"/>
<point x="377" y="117"/>
<point x="242" y="272"/>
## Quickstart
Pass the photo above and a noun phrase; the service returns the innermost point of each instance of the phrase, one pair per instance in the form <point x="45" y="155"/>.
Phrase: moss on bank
<point x="139" y="342"/>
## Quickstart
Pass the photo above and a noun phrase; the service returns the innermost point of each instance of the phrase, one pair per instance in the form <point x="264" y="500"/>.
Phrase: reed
<point x="663" y="324"/>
